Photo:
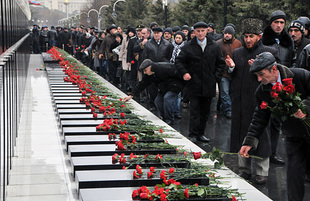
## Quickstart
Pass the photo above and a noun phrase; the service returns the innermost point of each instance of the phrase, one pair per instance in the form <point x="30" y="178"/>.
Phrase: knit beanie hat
<point x="230" y="30"/>
<point x="277" y="15"/>
<point x="169" y="30"/>
<point x="181" y="34"/>
<point x="297" y="24"/>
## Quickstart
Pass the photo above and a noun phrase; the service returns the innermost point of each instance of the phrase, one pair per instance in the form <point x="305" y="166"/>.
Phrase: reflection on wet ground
<point x="218" y="131"/>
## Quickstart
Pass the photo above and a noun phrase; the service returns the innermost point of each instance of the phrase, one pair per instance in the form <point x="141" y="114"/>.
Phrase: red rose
<point x="196" y="155"/>
<point x="274" y="94"/>
<point x="277" y="87"/>
<point x="289" y="89"/>
<point x="186" y="193"/>
<point x="263" y="105"/>
<point x="288" y="81"/>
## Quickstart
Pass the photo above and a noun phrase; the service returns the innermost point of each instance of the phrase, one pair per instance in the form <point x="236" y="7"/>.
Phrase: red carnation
<point x="143" y="195"/>
<point x="197" y="155"/>
<point x="149" y="174"/>
<point x="234" y="198"/>
<point x="95" y="115"/>
<point x="152" y="169"/>
<point x="263" y="105"/>
<point x="288" y="81"/>
<point x="161" y="131"/>
<point x="135" y="193"/>
<point x="122" y="115"/>
<point x="171" y="170"/>
<point x="186" y="193"/>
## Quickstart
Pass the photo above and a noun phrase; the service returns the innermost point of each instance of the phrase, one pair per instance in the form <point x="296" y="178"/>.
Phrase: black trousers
<point x="297" y="153"/>
<point x="275" y="129"/>
<point x="199" y="113"/>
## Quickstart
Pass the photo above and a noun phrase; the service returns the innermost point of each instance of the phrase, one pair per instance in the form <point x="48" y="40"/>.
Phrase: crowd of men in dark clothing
<point x="167" y="67"/>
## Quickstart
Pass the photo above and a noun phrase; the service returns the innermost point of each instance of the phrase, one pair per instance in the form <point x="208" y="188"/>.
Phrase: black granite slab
<point x="88" y="131"/>
<point x="74" y="111"/>
<point x="122" y="178"/>
<point x="68" y="94"/>
<point x="123" y="194"/>
<point x="105" y="163"/>
<point x="109" y="150"/>
<point x="71" y="106"/>
<point x="66" y="91"/>
<point x="97" y="139"/>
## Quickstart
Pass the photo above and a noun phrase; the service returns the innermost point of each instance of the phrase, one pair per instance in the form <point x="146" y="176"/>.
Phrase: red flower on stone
<point x="196" y="155"/>
<point x="135" y="176"/>
<point x="122" y="115"/>
<point x="289" y="89"/>
<point x="120" y="146"/>
<point x="135" y="194"/>
<point x="161" y="131"/>
<point x="163" y="197"/>
<point x="123" y="105"/>
<point x="95" y="115"/>
<point x="288" y="81"/>
<point x="186" y="193"/>
<point x="234" y="198"/>
<point x="149" y="174"/>
<point x="263" y="105"/>
<point x="163" y="174"/>
<point x="143" y="195"/>
<point x="171" y="170"/>
<point x="185" y="153"/>
<point x="124" y="167"/>
<point x="152" y="169"/>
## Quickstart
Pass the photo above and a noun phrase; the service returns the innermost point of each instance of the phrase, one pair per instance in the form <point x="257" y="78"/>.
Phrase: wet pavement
<point x="218" y="131"/>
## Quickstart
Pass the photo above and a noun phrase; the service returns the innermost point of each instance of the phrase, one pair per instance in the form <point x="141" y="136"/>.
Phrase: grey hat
<point x="263" y="60"/>
<point x="252" y="26"/>
<point x="230" y="30"/>
<point x="200" y="25"/>
<point x="146" y="63"/>
<point x="277" y="15"/>
<point x="297" y="24"/>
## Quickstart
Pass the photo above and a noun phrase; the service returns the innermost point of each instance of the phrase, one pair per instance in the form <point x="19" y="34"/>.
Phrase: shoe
<point x="260" y="180"/>
<point x="245" y="175"/>
<point x="193" y="139"/>
<point x="228" y="115"/>
<point x="203" y="138"/>
<point x="177" y="116"/>
<point x="153" y="109"/>
<point x="276" y="159"/>
<point x="185" y="105"/>
<point x="169" y="122"/>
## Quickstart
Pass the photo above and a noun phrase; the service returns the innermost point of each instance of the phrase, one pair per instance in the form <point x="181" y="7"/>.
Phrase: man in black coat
<point x="297" y="136"/>
<point x="276" y="36"/>
<point x="201" y="64"/>
<point x="156" y="49"/>
<point x="243" y="87"/>
<point x="164" y="74"/>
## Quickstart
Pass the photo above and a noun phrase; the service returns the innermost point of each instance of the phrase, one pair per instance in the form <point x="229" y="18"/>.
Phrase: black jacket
<point x="293" y="127"/>
<point x="205" y="67"/>
<point x="243" y="87"/>
<point x="158" y="53"/>
<point x="165" y="76"/>
<point x="285" y="47"/>
<point x="304" y="59"/>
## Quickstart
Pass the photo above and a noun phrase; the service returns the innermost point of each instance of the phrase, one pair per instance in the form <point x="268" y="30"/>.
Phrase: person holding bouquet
<point x="284" y="94"/>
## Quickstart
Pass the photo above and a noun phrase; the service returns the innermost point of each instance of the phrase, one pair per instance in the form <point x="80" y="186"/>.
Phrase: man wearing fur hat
<point x="269" y="72"/>
<point x="227" y="44"/>
<point x="243" y="87"/>
<point x="296" y="30"/>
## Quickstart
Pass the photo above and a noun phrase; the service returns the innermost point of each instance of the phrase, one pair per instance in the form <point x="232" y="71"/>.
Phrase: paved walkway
<point x="39" y="170"/>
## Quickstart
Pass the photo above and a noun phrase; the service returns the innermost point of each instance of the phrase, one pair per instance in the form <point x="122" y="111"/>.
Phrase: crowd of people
<point x="181" y="66"/>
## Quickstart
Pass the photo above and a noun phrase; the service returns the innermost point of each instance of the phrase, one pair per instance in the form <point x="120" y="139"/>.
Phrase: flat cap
<point x="157" y="29"/>
<point x="146" y="63"/>
<point x="200" y="25"/>
<point x="263" y="60"/>
<point x="113" y="27"/>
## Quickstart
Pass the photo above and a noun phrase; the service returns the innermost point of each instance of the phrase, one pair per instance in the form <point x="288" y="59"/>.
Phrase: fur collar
<point x="269" y="38"/>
